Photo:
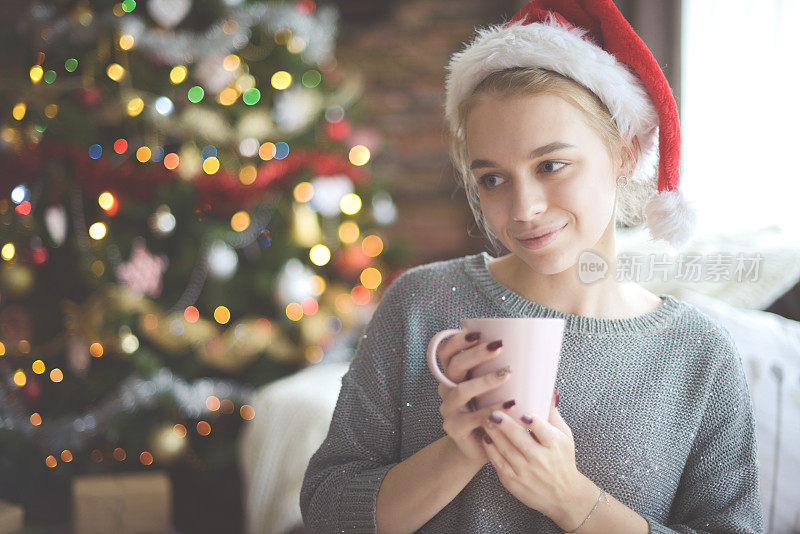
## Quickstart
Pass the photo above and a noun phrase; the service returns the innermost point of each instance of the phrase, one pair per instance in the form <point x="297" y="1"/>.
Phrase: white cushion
<point x="770" y="348"/>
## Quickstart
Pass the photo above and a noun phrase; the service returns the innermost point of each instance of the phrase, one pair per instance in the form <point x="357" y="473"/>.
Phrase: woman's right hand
<point x="458" y="355"/>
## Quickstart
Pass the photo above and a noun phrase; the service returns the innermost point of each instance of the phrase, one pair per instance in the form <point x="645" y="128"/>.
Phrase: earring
<point x="622" y="184"/>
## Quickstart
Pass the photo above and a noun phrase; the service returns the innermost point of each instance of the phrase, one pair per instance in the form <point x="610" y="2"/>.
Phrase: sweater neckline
<point x="477" y="267"/>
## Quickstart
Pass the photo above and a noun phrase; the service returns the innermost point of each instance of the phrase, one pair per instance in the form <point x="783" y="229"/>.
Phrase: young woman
<point x="552" y="134"/>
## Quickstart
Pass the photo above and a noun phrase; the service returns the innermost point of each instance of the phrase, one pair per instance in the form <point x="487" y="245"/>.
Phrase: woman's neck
<point x="604" y="299"/>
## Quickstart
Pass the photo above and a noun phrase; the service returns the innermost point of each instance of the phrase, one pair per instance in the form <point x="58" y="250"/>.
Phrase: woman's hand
<point x="459" y="355"/>
<point x="538" y="468"/>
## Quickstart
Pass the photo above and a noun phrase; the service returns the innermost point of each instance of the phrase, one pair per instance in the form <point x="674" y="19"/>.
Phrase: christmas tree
<point x="186" y="214"/>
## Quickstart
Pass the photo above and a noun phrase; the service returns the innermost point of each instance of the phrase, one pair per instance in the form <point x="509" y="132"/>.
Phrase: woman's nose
<point x="528" y="201"/>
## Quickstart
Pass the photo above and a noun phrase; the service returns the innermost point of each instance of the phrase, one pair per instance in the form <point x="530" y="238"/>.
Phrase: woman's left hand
<point x="537" y="467"/>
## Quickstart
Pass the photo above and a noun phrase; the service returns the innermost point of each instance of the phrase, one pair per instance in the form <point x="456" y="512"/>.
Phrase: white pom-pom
<point x="670" y="216"/>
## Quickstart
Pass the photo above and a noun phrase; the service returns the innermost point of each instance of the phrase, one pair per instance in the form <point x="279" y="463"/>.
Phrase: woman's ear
<point x="630" y="154"/>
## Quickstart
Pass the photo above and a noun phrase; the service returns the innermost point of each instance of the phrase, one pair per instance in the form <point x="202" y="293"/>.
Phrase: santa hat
<point x="592" y="43"/>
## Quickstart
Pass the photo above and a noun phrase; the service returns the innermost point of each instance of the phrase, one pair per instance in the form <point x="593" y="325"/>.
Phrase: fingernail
<point x="472" y="336"/>
<point x="558" y="396"/>
<point x="494" y="345"/>
<point x="527" y="419"/>
<point x="495" y="418"/>
<point x="509" y="404"/>
<point x="487" y="439"/>
<point x="500" y="373"/>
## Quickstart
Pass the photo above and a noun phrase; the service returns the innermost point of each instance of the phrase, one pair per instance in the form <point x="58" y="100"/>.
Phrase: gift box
<point x="12" y="518"/>
<point x="127" y="503"/>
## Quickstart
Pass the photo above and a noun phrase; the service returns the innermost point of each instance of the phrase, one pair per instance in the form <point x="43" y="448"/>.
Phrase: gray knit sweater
<point x="658" y="405"/>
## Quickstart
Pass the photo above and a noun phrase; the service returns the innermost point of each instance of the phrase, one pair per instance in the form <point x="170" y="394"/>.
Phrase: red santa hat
<point x="592" y="43"/>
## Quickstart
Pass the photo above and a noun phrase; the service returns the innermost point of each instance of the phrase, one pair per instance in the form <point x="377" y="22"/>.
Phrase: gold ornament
<point x="167" y="445"/>
<point x="16" y="280"/>
<point x="306" y="231"/>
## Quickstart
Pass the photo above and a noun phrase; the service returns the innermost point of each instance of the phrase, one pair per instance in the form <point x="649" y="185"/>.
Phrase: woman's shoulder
<point x="430" y="276"/>
<point x="701" y="330"/>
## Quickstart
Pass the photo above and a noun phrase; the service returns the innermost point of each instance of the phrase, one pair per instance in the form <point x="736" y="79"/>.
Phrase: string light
<point x="115" y="72"/>
<point x="370" y="278"/>
<point x="191" y="314"/>
<point x="211" y="165"/>
<point x="195" y="94"/>
<point x="19" y="111"/>
<point x="350" y="203"/>
<point x="19" y="378"/>
<point x="126" y="41"/>
<point x="106" y="200"/>
<point x="348" y="232"/>
<point x="97" y="231"/>
<point x="222" y="315"/>
<point x="177" y="74"/>
<point x="247" y="174"/>
<point x="143" y="154"/>
<point x="372" y="246"/>
<point x="135" y="106"/>
<point x="240" y="221"/>
<point x="303" y="192"/>
<point x="281" y="80"/>
<point x="319" y="255"/>
<point x="36" y="73"/>
<point x="359" y="155"/>
<point x="231" y="62"/>
<point x="8" y="251"/>
<point x="171" y="161"/>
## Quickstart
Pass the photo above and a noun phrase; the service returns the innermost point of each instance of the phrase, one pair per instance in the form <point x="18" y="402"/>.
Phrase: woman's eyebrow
<point x="535" y="153"/>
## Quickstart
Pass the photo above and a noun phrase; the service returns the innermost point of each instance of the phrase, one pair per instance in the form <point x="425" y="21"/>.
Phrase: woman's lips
<point x="541" y="242"/>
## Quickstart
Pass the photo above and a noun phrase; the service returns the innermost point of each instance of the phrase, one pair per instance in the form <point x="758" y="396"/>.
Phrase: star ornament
<point x="142" y="273"/>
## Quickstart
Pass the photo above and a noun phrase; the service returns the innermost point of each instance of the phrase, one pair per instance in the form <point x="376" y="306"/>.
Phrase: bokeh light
<point x="222" y="315"/>
<point x="319" y="254"/>
<point x="97" y="231"/>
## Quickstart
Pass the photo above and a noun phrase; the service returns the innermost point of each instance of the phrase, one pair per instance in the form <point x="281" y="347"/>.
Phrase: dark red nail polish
<point x="509" y="404"/>
<point x="472" y="336"/>
<point x="494" y="345"/>
<point x="527" y="419"/>
<point x="558" y="396"/>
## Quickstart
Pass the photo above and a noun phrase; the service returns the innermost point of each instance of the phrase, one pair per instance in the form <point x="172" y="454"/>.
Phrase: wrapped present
<point x="127" y="503"/>
<point x="12" y="518"/>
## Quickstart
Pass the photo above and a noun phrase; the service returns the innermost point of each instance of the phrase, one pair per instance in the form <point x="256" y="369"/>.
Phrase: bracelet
<point x="602" y="495"/>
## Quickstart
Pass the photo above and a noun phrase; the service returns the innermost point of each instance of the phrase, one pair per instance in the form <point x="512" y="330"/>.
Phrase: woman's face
<point x="571" y="185"/>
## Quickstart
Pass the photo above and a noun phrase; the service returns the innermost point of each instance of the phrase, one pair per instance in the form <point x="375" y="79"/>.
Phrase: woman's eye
<point x="546" y="166"/>
<point x="485" y="177"/>
<point x="554" y="163"/>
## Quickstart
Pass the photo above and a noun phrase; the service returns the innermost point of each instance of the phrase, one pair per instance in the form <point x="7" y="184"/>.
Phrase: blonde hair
<point x="529" y="81"/>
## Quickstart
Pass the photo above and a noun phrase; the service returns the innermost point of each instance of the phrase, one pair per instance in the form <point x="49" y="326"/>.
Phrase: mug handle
<point x="433" y="361"/>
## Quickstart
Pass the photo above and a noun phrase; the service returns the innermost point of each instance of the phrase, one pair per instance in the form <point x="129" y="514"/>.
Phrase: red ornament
<point x="338" y="131"/>
<point x="90" y="96"/>
<point x="306" y="7"/>
<point x="32" y="390"/>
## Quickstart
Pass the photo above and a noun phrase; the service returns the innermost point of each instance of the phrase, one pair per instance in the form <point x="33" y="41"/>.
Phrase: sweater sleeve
<point x="341" y="483"/>
<point x="719" y="489"/>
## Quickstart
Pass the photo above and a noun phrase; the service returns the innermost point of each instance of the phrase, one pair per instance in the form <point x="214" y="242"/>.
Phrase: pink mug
<point x="531" y="351"/>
